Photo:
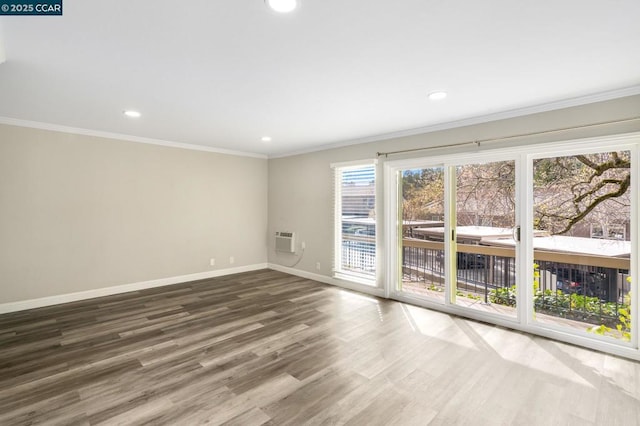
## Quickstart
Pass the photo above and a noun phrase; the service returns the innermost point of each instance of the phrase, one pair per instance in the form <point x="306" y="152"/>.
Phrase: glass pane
<point x="358" y="222"/>
<point x="422" y="232"/>
<point x="485" y="218"/>
<point x="582" y="228"/>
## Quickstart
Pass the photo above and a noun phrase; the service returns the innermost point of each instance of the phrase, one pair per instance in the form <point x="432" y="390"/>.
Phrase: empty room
<point x="305" y="212"/>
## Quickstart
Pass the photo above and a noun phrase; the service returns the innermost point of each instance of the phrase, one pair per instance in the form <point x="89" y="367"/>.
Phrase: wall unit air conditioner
<point x="285" y="242"/>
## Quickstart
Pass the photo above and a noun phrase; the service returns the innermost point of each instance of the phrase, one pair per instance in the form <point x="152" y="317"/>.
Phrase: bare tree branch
<point x="624" y="186"/>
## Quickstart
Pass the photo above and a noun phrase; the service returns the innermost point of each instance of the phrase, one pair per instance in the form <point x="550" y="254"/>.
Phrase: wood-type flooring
<point x="269" y="348"/>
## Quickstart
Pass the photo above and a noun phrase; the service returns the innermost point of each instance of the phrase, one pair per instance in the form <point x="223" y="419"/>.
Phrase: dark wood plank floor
<point x="269" y="348"/>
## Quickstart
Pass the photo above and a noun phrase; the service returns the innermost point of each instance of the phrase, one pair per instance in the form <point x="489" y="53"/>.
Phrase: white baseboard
<point x="108" y="291"/>
<point x="361" y="288"/>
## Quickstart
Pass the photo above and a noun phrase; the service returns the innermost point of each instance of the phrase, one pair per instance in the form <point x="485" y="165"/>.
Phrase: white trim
<point x="354" y="163"/>
<point x="349" y="285"/>
<point x="355" y="277"/>
<point x="518" y="112"/>
<point x="108" y="291"/>
<point x="448" y="238"/>
<point x="118" y="136"/>
<point x="337" y="216"/>
<point x="390" y="252"/>
<point x="635" y="245"/>
<point x="381" y="234"/>
<point x="339" y="274"/>
<point x="524" y="293"/>
<point x="564" y="330"/>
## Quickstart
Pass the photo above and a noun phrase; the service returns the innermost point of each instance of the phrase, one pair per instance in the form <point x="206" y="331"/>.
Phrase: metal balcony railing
<point x="585" y="288"/>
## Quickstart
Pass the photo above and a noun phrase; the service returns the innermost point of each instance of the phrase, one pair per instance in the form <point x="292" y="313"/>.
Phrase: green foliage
<point x="600" y="329"/>
<point x="611" y="316"/>
<point x="471" y="296"/>
<point x="503" y="296"/>
<point x="572" y="306"/>
<point x="623" y="327"/>
<point x="468" y="295"/>
<point x="423" y="193"/>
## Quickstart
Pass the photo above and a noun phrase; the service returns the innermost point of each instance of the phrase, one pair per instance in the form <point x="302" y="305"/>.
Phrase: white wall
<point x="301" y="186"/>
<point x="79" y="213"/>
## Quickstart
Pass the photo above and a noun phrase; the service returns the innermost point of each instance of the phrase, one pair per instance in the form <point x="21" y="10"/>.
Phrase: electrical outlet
<point x="304" y="245"/>
<point x="231" y="260"/>
<point x="318" y="266"/>
<point x="212" y="261"/>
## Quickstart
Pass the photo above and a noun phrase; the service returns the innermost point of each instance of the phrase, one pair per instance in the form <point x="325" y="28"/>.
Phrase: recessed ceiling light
<point x="266" y="139"/>
<point x="282" y="6"/>
<point x="132" y="113"/>
<point x="436" y="96"/>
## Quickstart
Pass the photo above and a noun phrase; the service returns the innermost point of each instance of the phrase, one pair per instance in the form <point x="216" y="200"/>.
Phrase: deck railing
<point x="359" y="254"/>
<point x="579" y="287"/>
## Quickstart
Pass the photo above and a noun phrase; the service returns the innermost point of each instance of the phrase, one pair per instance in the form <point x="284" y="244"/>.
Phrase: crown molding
<point x="118" y="136"/>
<point x="519" y="112"/>
<point x="513" y="113"/>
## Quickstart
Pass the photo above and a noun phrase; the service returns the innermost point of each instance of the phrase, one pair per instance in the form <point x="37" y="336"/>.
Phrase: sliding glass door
<point x="485" y="225"/>
<point x="582" y="221"/>
<point x="421" y="231"/>
<point x="456" y="225"/>
<point x="543" y="237"/>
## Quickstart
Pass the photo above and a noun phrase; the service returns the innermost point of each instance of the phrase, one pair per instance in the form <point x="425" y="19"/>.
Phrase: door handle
<point x="516" y="233"/>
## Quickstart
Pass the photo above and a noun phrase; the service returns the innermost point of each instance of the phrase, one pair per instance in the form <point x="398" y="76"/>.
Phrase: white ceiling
<point x="224" y="73"/>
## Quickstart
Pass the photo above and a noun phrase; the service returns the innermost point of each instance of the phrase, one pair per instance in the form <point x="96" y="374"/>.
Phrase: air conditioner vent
<point x="285" y="242"/>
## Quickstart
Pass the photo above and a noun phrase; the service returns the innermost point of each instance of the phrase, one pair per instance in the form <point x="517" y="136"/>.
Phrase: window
<point x="513" y="243"/>
<point x="355" y="222"/>
<point x="609" y="232"/>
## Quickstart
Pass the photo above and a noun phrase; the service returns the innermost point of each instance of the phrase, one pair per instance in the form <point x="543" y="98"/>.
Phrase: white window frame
<point x="526" y="154"/>
<point x="338" y="273"/>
